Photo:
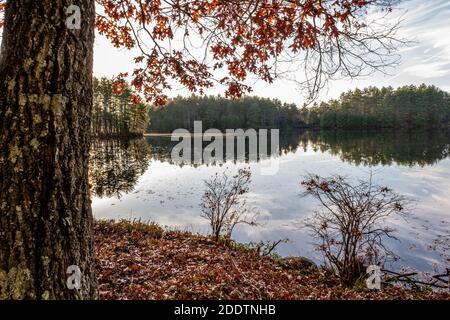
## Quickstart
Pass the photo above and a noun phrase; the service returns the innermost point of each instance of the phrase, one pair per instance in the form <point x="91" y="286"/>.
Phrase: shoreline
<point x="137" y="260"/>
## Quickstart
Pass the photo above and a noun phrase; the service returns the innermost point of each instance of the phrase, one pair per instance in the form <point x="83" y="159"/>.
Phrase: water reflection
<point x="116" y="165"/>
<point x="406" y="148"/>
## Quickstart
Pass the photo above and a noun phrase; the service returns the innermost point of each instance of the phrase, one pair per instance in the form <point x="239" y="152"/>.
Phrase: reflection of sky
<point x="170" y="195"/>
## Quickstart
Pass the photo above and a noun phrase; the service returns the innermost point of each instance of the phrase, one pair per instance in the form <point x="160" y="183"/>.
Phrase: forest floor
<point x="144" y="261"/>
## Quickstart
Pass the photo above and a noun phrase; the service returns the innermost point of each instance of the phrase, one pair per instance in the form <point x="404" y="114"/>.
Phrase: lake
<point x="137" y="180"/>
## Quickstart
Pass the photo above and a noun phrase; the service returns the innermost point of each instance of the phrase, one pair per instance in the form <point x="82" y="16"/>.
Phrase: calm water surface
<point x="136" y="179"/>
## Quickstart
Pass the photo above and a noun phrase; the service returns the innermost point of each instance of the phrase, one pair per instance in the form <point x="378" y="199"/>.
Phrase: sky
<point x="427" y="60"/>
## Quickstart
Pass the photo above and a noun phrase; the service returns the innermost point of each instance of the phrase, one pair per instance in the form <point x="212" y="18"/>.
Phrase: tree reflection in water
<point x="116" y="165"/>
<point x="370" y="148"/>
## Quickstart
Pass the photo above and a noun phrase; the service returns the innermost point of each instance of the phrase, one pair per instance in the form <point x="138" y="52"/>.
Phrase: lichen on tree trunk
<point x="45" y="106"/>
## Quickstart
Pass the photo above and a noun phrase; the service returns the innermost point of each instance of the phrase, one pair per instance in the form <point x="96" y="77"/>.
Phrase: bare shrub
<point x="266" y="248"/>
<point x="224" y="203"/>
<point x="350" y="223"/>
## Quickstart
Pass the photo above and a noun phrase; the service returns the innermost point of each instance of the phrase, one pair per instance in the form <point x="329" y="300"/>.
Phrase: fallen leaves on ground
<point x="142" y="261"/>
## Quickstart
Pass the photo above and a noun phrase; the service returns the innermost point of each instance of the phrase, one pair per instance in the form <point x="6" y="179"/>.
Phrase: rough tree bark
<point x="45" y="106"/>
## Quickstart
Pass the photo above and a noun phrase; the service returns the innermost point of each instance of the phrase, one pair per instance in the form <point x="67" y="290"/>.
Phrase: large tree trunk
<point x="45" y="106"/>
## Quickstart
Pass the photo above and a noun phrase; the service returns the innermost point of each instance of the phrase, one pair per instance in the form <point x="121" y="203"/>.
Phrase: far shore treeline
<point x="406" y="107"/>
<point x="114" y="115"/>
<point x="222" y="113"/>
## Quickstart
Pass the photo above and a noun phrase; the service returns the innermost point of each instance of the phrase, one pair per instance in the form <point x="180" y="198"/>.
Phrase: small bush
<point x="224" y="204"/>
<point x="350" y="223"/>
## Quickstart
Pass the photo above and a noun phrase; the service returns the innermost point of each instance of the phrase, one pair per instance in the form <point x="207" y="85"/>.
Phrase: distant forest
<point x="222" y="113"/>
<point x="406" y="107"/>
<point x="114" y="114"/>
